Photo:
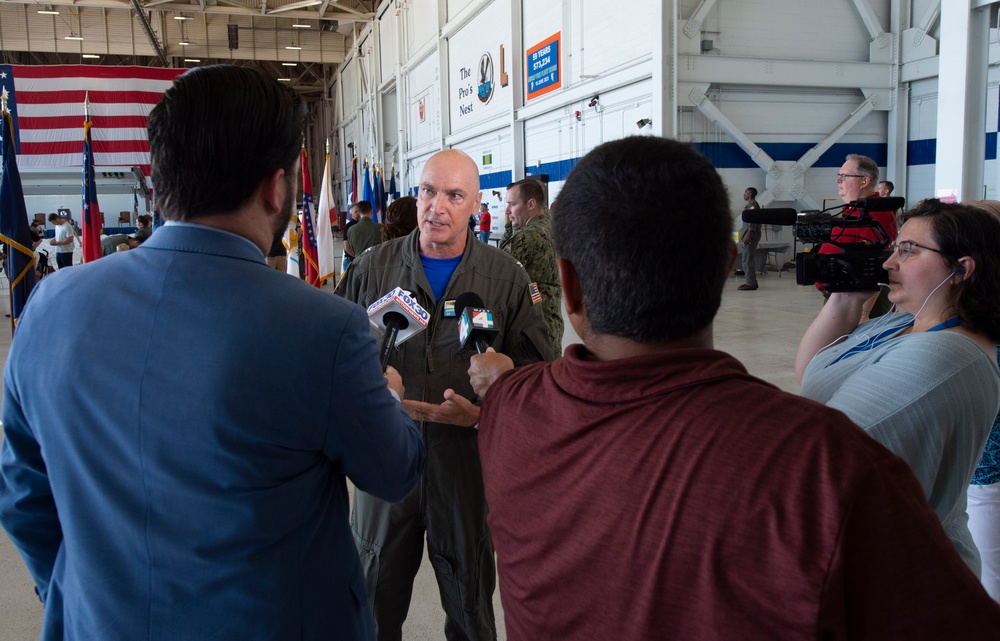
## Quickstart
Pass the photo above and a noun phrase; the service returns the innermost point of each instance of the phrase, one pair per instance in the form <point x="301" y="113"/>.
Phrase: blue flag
<point x="377" y="205"/>
<point x="366" y="186"/>
<point x="14" y="226"/>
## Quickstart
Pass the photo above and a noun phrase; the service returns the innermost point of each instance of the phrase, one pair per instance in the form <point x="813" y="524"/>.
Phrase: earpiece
<point x="957" y="270"/>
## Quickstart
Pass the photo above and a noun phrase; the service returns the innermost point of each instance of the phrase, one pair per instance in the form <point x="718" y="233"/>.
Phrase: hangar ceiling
<point x="302" y="41"/>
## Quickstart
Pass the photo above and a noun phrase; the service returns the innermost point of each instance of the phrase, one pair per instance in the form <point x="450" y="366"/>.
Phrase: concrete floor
<point x="761" y="328"/>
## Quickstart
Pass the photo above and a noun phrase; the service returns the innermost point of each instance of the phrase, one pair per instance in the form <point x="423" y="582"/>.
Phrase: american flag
<point x="46" y="103"/>
<point x="536" y="296"/>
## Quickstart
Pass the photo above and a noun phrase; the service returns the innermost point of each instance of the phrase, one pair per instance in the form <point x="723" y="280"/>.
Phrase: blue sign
<point x="543" y="67"/>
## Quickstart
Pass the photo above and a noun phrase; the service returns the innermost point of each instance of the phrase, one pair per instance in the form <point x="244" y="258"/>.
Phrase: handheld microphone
<point x="774" y="216"/>
<point x="398" y="317"/>
<point x="475" y="323"/>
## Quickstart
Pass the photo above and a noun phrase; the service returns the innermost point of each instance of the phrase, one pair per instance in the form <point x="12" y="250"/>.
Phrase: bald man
<point x="438" y="262"/>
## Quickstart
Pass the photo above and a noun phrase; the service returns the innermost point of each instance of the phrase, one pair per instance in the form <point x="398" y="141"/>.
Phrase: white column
<point x="961" y="117"/>
<point x="664" y="107"/>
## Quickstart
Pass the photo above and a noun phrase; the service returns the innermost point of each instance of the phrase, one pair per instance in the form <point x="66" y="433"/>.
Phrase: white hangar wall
<point x="775" y="94"/>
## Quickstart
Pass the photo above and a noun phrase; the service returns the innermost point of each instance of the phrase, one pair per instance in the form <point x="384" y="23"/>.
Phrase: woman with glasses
<point x="922" y="380"/>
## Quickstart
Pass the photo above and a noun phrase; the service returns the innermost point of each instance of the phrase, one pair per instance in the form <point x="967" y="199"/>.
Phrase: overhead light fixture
<point x="301" y="26"/>
<point x="192" y="60"/>
<point x="72" y="36"/>
<point x="294" y="47"/>
<point x="90" y="55"/>
<point x="183" y="17"/>
<point x="48" y="11"/>
<point x="284" y="79"/>
<point x="289" y="64"/>
<point x="183" y="43"/>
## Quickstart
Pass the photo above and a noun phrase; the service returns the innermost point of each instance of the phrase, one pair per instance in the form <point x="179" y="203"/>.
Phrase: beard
<point x="287" y="210"/>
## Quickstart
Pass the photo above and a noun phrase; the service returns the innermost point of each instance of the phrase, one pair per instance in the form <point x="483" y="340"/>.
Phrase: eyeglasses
<point x="905" y="248"/>
<point x="842" y="177"/>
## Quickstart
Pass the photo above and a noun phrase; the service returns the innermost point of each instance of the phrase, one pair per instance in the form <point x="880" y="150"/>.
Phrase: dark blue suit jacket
<point x="180" y="472"/>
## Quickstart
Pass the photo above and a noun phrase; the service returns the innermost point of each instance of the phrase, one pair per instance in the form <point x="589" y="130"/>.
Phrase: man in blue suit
<point x="176" y="488"/>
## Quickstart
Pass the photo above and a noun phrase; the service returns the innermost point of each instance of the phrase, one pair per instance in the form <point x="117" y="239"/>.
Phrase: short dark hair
<point x="144" y="219"/>
<point x="527" y="189"/>
<point x="54" y="217"/>
<point x="753" y="191"/>
<point x="966" y="230"/>
<point x="216" y="134"/>
<point x="400" y="218"/>
<point x="888" y="183"/>
<point x="651" y="268"/>
<point x="364" y="207"/>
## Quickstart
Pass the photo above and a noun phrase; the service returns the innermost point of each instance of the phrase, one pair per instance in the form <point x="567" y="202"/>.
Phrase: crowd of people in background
<point x="611" y="487"/>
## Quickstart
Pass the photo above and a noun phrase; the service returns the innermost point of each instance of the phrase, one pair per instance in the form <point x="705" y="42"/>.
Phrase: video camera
<point x="862" y="239"/>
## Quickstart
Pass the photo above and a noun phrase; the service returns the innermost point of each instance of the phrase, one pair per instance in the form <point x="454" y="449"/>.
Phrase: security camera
<point x="643" y="122"/>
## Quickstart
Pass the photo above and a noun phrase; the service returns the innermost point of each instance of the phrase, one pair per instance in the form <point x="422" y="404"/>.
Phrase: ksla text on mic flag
<point x="14" y="226"/>
<point x="309" y="252"/>
<point x="92" y="223"/>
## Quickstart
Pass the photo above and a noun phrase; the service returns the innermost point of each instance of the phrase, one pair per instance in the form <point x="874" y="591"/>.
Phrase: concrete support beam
<point x="692" y="28"/>
<point x="785" y="73"/>
<point x="961" y="116"/>
<point x="664" y="107"/>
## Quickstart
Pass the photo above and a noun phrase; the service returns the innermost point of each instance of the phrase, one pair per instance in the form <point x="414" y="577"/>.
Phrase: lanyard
<point x="887" y="333"/>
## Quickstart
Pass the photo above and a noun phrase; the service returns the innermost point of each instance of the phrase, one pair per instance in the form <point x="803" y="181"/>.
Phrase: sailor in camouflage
<point x="528" y="238"/>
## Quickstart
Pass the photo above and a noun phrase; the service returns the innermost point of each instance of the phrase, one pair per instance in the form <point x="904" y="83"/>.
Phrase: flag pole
<point x="10" y="247"/>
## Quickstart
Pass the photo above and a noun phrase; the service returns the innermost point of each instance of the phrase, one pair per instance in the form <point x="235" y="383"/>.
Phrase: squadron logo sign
<point x="485" y="78"/>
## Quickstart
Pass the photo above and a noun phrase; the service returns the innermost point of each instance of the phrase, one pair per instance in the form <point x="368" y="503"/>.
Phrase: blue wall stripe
<point x="921" y="152"/>
<point x="495" y="180"/>
<point x="729" y="155"/>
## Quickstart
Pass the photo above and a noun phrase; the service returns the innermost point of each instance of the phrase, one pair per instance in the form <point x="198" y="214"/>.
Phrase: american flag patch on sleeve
<point x="536" y="296"/>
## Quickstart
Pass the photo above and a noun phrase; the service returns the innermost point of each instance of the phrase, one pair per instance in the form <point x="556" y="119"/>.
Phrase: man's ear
<point x="273" y="190"/>
<point x="570" y="282"/>
<point x="573" y="297"/>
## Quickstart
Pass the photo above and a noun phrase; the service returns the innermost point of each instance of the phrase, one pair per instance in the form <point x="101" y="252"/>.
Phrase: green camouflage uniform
<point x="532" y="246"/>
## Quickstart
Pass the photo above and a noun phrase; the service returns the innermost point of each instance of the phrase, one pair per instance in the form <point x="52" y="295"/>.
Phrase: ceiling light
<point x="48" y="11"/>
<point x="292" y="47"/>
<point x="72" y="36"/>
<point x="284" y="79"/>
<point x="90" y="55"/>
<point x="301" y="26"/>
<point x="289" y="64"/>
<point x="183" y="43"/>
<point x="183" y="18"/>
<point x="192" y="60"/>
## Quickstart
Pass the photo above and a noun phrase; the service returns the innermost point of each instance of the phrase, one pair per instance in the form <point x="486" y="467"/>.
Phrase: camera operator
<point x="922" y="381"/>
<point x="858" y="178"/>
